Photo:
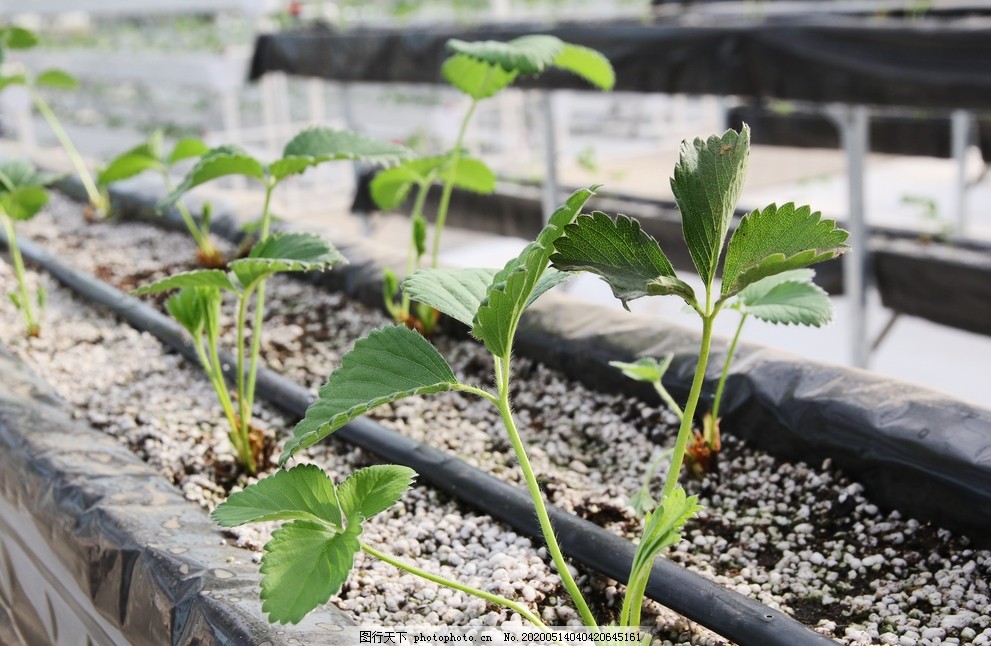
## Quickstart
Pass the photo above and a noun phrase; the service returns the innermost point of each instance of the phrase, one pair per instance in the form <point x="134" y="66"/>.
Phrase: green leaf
<point x="13" y="79"/>
<point x="18" y="173"/>
<point x="217" y="162"/>
<point x="326" y="144"/>
<point x="57" y="79"/>
<point x="126" y="166"/>
<point x="304" y="564"/>
<point x="284" y="252"/>
<point x="663" y="527"/>
<point x="390" y="187"/>
<point x="587" y="64"/>
<point x="645" y="369"/>
<point x="191" y="307"/>
<point x="512" y="289"/>
<point x="777" y="239"/>
<point x="707" y="182"/>
<point x="530" y="54"/>
<point x="419" y="235"/>
<point x="388" y="364"/>
<point x="186" y="148"/>
<point x="373" y="489"/>
<point x="283" y="168"/>
<point x="18" y="38"/>
<point x="23" y="203"/>
<point x="146" y="155"/>
<point x="301" y="493"/>
<point x="623" y="254"/>
<point x="211" y="278"/>
<point x="455" y="292"/>
<point x="151" y="147"/>
<point x="787" y="298"/>
<point x="470" y="174"/>
<point x="477" y="79"/>
<point x="458" y="293"/>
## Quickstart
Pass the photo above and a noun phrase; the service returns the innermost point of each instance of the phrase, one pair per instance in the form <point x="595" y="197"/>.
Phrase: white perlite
<point x="799" y="538"/>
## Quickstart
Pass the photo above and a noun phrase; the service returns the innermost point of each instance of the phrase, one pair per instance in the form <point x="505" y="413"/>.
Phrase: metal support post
<point x="960" y="141"/>
<point x="549" y="195"/>
<point x="852" y="122"/>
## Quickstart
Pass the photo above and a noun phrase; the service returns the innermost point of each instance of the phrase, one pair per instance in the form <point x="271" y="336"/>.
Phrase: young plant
<point x="197" y="308"/>
<point x="197" y="305"/>
<point x="396" y="362"/>
<point x="22" y="195"/>
<point x="788" y="298"/>
<point x="480" y="70"/>
<point x="151" y="156"/>
<point x="19" y="38"/>
<point x="390" y="364"/>
<point x="707" y="182"/>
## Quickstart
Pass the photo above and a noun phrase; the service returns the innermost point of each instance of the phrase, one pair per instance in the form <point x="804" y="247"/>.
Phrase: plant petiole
<point x="496" y="599"/>
<point x="96" y="198"/>
<point x="445" y="197"/>
<point x="717" y="400"/>
<point x="506" y="412"/>
<point x="33" y="327"/>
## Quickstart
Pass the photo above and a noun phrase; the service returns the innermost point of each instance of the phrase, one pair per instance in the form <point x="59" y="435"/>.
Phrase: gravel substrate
<point x="797" y="537"/>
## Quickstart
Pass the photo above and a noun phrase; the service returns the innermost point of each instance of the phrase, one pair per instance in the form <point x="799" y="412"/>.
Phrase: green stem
<point x="244" y="410"/>
<point x="729" y="359"/>
<point x="636" y="588"/>
<point x="202" y="240"/>
<point x="216" y="374"/>
<point x="413" y="260"/>
<point x="445" y="197"/>
<point x="505" y="410"/>
<point x="256" y="328"/>
<point x="637" y="584"/>
<point x="523" y="611"/>
<point x="77" y="160"/>
<point x="668" y="399"/>
<point x="33" y="328"/>
<point x="685" y="429"/>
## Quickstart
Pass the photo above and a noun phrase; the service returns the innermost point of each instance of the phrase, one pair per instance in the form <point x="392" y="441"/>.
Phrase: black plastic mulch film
<point x="825" y="59"/>
<point x="96" y="544"/>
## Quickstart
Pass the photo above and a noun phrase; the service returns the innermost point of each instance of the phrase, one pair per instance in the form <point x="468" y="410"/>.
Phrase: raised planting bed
<point x="97" y="547"/>
<point x="762" y="534"/>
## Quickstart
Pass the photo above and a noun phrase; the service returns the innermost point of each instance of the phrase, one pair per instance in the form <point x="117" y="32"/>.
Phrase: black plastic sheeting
<point x="730" y="614"/>
<point x="96" y="544"/>
<point x="895" y="134"/>
<point x="918" y="63"/>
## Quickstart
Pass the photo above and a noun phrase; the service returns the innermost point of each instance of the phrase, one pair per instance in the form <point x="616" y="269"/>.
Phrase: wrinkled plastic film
<point x="95" y="543"/>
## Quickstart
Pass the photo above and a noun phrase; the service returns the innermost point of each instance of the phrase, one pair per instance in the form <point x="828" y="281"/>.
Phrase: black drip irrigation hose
<point x="732" y="615"/>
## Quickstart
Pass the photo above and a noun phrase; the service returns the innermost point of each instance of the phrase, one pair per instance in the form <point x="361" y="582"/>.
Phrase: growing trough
<point x="571" y="342"/>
